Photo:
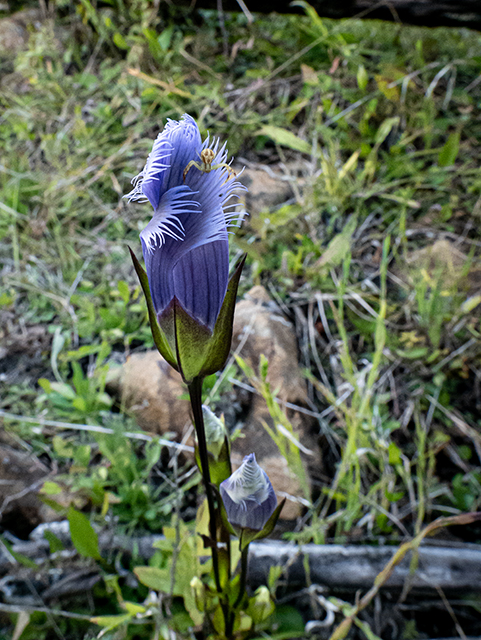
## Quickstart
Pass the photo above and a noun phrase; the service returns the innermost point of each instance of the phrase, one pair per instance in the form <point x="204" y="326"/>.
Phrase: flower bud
<point x="215" y="432"/>
<point x="260" y="605"/>
<point x="248" y="496"/>
<point x="198" y="589"/>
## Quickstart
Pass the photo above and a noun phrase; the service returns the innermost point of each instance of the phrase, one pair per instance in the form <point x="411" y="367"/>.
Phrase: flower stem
<point x="195" y="392"/>
<point x="243" y="577"/>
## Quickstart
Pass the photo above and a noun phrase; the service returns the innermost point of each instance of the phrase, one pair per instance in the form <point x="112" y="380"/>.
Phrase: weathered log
<point x="429" y="13"/>
<point x="345" y="568"/>
<point x="356" y="567"/>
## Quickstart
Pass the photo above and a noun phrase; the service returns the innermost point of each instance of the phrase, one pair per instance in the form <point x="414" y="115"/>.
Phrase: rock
<point x="21" y="475"/>
<point x="14" y="31"/>
<point x="442" y="260"/>
<point x="260" y="328"/>
<point x="152" y="390"/>
<point x="23" y="350"/>
<point x="266" y="190"/>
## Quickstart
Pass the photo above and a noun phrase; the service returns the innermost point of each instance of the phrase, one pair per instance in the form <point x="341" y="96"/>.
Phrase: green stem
<point x="243" y="577"/>
<point x="242" y="589"/>
<point x="195" y="392"/>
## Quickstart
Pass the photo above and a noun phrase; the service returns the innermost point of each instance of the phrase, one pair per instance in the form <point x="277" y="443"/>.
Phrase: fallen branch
<point x="337" y="567"/>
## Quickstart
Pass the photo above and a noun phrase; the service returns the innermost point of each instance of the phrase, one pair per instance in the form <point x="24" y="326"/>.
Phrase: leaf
<point x="21" y="624"/>
<point x="384" y="86"/>
<point x="385" y="129"/>
<point x="54" y="542"/>
<point x="123" y="289"/>
<point x="339" y="246"/>
<point x="165" y="37"/>
<point x="120" y="41"/>
<point x="50" y="488"/>
<point x="155" y="578"/>
<point x="45" y="384"/>
<point x="133" y="608"/>
<point x="84" y="538"/>
<point x="448" y="154"/>
<point x="19" y="557"/>
<point x="110" y="622"/>
<point x="285" y="138"/>
<point x="64" y="450"/>
<point x="394" y="454"/>
<point x="362" y="77"/>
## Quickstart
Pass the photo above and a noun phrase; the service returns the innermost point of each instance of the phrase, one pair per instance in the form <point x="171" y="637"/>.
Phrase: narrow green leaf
<point x="394" y="454"/>
<point x="120" y="41"/>
<point x="84" y="538"/>
<point x="362" y="77"/>
<point x="339" y="246"/>
<point x="110" y="622"/>
<point x="123" y="289"/>
<point x="285" y="138"/>
<point x="19" y="557"/>
<point x="385" y="129"/>
<point x="54" y="542"/>
<point x="448" y="154"/>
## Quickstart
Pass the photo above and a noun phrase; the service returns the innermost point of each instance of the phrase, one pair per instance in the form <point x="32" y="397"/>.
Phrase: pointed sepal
<point x="192" y="340"/>
<point x="220" y="344"/>
<point x="158" y="335"/>
<point x="246" y="536"/>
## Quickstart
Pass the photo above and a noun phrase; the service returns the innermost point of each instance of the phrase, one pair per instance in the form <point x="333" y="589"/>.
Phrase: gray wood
<point x="339" y="567"/>
<point x="356" y="567"/>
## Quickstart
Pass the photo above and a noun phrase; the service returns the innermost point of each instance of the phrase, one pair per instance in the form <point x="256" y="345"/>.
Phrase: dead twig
<point x="343" y="628"/>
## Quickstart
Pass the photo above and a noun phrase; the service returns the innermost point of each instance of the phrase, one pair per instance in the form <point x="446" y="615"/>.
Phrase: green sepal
<point x="192" y="341"/>
<point x="222" y="512"/>
<point x="248" y="535"/>
<point x="158" y="335"/>
<point x="220" y="344"/>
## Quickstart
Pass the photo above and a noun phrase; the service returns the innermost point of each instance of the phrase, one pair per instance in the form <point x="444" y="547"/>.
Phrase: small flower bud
<point x="198" y="589"/>
<point x="261" y="605"/>
<point x="215" y="432"/>
<point x="248" y="496"/>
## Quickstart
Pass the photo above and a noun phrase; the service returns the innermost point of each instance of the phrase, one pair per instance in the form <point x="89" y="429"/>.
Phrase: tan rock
<point x="152" y="390"/>
<point x="14" y="31"/>
<point x="443" y="260"/>
<point x="266" y="191"/>
<point x="260" y="328"/>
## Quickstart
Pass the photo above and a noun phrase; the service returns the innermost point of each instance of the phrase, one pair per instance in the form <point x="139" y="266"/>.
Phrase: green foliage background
<point x="379" y="126"/>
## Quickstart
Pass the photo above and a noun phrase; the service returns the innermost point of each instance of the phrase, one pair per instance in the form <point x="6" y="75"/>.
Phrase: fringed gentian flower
<point x="248" y="496"/>
<point x="185" y="245"/>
